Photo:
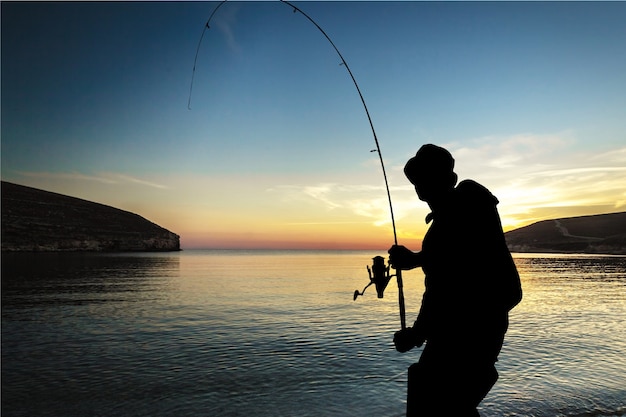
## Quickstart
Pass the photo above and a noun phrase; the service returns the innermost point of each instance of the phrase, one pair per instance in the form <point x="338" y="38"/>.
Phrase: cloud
<point x="321" y="223"/>
<point x="522" y="151"/>
<point x="323" y="193"/>
<point x="104" y="178"/>
<point x="225" y="22"/>
<point x="65" y="176"/>
<point x="535" y="177"/>
<point x="616" y="156"/>
<point x="361" y="200"/>
<point x="126" y="178"/>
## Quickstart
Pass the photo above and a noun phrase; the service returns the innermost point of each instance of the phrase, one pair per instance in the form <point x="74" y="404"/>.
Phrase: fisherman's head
<point x="431" y="171"/>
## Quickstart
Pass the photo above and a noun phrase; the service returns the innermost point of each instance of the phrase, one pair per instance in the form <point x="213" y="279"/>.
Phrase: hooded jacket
<point x="471" y="280"/>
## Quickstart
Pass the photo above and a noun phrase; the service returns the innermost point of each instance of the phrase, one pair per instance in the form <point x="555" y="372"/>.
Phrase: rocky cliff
<point x="37" y="220"/>
<point x="603" y="233"/>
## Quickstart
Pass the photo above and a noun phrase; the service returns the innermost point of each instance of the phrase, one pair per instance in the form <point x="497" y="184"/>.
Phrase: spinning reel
<point x="379" y="276"/>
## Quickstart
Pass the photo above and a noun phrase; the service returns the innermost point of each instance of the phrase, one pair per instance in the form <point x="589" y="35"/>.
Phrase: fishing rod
<point x="380" y="276"/>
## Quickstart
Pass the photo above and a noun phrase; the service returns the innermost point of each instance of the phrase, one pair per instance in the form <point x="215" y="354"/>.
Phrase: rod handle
<point x="401" y="299"/>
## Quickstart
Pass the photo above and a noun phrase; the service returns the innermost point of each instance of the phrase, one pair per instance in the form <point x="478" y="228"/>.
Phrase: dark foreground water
<point x="231" y="333"/>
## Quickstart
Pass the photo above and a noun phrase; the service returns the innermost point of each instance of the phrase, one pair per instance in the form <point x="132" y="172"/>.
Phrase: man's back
<point x="471" y="280"/>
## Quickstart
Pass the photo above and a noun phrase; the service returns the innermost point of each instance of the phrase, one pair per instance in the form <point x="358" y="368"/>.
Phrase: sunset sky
<point x="530" y="98"/>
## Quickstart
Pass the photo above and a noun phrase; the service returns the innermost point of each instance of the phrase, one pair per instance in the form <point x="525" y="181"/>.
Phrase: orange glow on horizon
<point x="322" y="242"/>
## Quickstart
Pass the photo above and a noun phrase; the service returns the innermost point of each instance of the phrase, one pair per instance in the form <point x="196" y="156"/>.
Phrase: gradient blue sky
<point x="529" y="97"/>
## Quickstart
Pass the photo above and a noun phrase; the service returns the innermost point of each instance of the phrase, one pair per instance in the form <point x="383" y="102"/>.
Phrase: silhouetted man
<point x="471" y="284"/>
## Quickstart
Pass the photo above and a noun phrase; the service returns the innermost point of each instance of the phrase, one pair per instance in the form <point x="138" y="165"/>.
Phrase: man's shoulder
<point x="471" y="191"/>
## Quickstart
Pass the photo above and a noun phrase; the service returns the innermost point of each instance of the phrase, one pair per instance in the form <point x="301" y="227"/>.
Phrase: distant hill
<point x="37" y="220"/>
<point x="602" y="233"/>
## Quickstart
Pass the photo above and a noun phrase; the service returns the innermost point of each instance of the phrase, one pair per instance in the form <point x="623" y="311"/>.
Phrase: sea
<point x="277" y="333"/>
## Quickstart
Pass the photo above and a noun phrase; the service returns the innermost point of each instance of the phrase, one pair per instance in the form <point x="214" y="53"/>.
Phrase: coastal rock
<point x="599" y="234"/>
<point x="37" y="220"/>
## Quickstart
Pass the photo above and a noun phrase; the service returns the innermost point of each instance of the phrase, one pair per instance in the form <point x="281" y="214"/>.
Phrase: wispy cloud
<point x="534" y="176"/>
<point x="320" y="223"/>
<point x="224" y="22"/>
<point x="542" y="176"/>
<point x="66" y="176"/>
<point x="126" y="178"/>
<point x="104" y="178"/>
<point x="362" y="200"/>
<point x="521" y="151"/>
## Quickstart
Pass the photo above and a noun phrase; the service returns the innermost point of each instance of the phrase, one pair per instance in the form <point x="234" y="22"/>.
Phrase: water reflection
<point x="74" y="326"/>
<point x="565" y="347"/>
<point x="30" y="279"/>
<point x="238" y="334"/>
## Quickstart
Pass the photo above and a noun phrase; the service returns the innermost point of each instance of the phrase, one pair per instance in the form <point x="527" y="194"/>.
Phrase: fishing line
<point x="369" y="118"/>
<point x="343" y="63"/>
<point x="195" y="60"/>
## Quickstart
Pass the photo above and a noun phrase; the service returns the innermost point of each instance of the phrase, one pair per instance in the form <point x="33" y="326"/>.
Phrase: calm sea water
<point x="234" y="333"/>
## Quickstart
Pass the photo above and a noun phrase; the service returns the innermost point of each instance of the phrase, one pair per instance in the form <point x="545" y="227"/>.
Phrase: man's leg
<point x="420" y="395"/>
<point x="438" y="388"/>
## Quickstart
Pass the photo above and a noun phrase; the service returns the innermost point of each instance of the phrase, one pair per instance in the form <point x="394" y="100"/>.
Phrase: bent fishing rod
<point x="379" y="273"/>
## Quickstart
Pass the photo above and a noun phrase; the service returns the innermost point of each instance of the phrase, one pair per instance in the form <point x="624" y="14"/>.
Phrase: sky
<point x="274" y="150"/>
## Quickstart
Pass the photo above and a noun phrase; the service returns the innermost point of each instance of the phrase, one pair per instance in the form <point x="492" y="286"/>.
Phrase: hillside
<point x="37" y="220"/>
<point x="603" y="233"/>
